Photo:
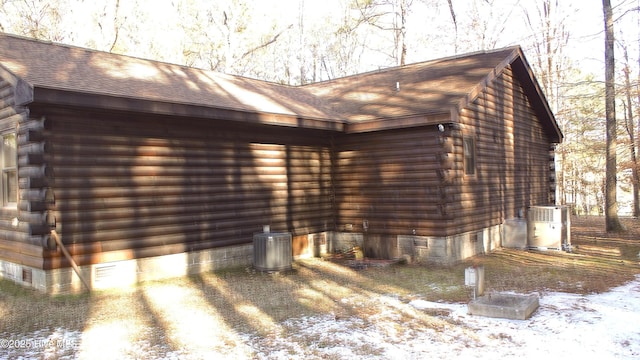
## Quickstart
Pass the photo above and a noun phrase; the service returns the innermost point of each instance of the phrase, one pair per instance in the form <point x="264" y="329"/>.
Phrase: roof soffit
<point x="60" y="98"/>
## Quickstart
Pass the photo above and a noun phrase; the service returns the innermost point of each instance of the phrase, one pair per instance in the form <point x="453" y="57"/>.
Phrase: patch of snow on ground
<point x="565" y="325"/>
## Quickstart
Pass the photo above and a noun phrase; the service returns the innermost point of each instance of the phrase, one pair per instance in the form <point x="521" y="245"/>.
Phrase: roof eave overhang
<point x="65" y="98"/>
<point x="397" y="123"/>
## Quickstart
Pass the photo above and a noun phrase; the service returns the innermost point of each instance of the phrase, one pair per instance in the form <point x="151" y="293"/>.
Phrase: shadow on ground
<point x="220" y="313"/>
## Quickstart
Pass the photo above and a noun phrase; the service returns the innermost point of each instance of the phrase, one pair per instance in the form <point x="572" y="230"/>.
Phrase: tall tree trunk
<point x="610" y="202"/>
<point x="301" y="44"/>
<point x="455" y="25"/>
<point x="403" y="32"/>
<point x="637" y="144"/>
<point x="629" y="126"/>
<point x="550" y="38"/>
<point x="116" y="27"/>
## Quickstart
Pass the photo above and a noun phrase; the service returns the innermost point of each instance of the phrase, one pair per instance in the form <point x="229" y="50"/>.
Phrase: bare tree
<point x="550" y="38"/>
<point x="116" y="27"/>
<point x="583" y="149"/>
<point x="488" y="21"/>
<point x="630" y="130"/>
<point x="224" y="36"/>
<point x="611" y="204"/>
<point x="455" y="25"/>
<point x="401" y="33"/>
<point x="39" y="20"/>
<point x="2" y="2"/>
<point x="339" y="45"/>
<point x="550" y="63"/>
<point x="636" y="146"/>
<point x="388" y="15"/>
<point x="301" y="43"/>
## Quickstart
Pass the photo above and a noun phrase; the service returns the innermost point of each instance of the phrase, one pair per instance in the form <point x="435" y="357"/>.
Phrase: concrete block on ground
<point x="507" y="306"/>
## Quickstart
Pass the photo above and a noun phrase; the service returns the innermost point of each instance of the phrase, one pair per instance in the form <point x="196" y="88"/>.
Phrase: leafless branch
<point x="264" y="45"/>
<point x="453" y="15"/>
<point x="626" y="13"/>
<point x="115" y="26"/>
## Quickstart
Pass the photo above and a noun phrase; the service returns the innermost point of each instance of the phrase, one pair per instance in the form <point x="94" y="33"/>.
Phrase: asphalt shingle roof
<point x="422" y="88"/>
<point x="69" y="68"/>
<point x="426" y="88"/>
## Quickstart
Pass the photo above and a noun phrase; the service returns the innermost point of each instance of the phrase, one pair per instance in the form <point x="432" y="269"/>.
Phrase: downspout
<point x="75" y="267"/>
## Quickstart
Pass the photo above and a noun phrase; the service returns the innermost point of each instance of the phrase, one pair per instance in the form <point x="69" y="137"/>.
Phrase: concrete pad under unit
<point x="508" y="306"/>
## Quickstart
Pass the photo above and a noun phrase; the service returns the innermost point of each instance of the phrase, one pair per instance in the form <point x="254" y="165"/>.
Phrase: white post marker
<point x="474" y="277"/>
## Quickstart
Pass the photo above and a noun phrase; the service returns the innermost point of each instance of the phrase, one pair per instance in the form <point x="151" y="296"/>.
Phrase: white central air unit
<point x="548" y="227"/>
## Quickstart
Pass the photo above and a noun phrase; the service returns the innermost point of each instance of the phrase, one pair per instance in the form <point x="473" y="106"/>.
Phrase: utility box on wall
<point x="548" y="227"/>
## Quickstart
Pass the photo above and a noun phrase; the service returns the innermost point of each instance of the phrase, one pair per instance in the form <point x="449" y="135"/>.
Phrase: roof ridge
<point x="415" y="64"/>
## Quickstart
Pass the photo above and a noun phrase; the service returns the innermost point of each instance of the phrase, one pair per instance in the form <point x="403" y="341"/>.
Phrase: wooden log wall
<point x="513" y="160"/>
<point x="392" y="182"/>
<point x="413" y="181"/>
<point x="126" y="187"/>
<point x="117" y="186"/>
<point x="22" y="228"/>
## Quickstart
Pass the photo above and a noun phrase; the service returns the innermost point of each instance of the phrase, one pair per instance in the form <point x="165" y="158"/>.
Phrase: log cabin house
<point x="130" y="169"/>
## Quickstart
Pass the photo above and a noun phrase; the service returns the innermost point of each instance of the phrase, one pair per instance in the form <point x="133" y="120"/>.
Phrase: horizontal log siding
<point x="512" y="153"/>
<point x="22" y="228"/>
<point x="392" y="181"/>
<point x="139" y="187"/>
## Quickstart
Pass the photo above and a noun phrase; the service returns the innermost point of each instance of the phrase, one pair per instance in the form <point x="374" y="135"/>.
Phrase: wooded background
<point x="301" y="41"/>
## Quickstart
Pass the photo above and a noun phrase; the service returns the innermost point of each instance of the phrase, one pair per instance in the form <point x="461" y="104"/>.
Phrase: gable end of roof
<point x="524" y="74"/>
<point x="522" y="70"/>
<point x="23" y="91"/>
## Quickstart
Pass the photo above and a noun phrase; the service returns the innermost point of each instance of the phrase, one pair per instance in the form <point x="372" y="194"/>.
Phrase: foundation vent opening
<point x="104" y="273"/>
<point x="27" y="276"/>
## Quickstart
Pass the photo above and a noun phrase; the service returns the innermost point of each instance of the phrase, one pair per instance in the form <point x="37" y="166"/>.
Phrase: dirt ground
<point x="598" y="262"/>
<point x="160" y="315"/>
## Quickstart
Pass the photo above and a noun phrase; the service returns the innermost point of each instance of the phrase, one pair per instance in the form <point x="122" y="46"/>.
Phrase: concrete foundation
<point x="128" y="272"/>
<point x="428" y="249"/>
<point x="444" y="250"/>
<point x="328" y="242"/>
<point x="508" y="306"/>
<point x="344" y="241"/>
<point x="449" y="249"/>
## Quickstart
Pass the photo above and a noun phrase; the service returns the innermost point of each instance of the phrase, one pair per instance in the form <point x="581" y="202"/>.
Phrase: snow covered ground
<point x="603" y="326"/>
